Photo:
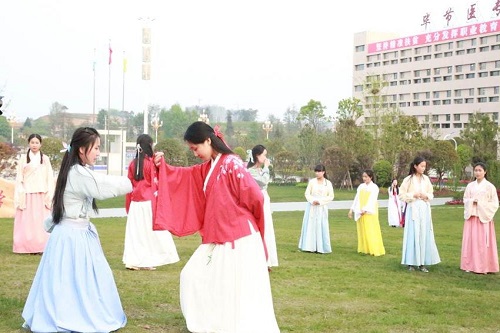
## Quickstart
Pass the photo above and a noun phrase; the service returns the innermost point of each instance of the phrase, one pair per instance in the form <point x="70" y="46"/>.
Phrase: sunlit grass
<point x="339" y="292"/>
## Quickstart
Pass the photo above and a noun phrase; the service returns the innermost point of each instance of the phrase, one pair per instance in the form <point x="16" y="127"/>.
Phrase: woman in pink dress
<point x="32" y="198"/>
<point x="479" y="243"/>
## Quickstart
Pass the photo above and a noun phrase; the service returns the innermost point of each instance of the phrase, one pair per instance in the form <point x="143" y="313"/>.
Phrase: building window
<point x="417" y="103"/>
<point x="460" y="44"/>
<point x="416" y="95"/>
<point x="483" y="74"/>
<point x="459" y="77"/>
<point x="460" y="52"/>
<point x="428" y="71"/>
<point x="404" y="60"/>
<point x="417" y="58"/>
<point x="435" y="94"/>
<point x="483" y="40"/>
<point x="448" y="117"/>
<point x="470" y="75"/>
<point x="437" y="47"/>
<point x="385" y="63"/>
<point x="438" y="79"/>
<point x="436" y="102"/>
<point x="360" y="48"/>
<point x="471" y="92"/>
<point x="470" y="51"/>
<point x="494" y="73"/>
<point x="469" y="100"/>
<point x="448" y="93"/>
<point x="456" y="117"/>
<point x="426" y="103"/>
<point x="447" y="78"/>
<point x="458" y="68"/>
<point x="445" y="125"/>
<point x="393" y="83"/>
<point x="427" y="94"/>
<point x="426" y="80"/>
<point x="394" y="62"/>
<point x="495" y="47"/>
<point x="437" y="71"/>
<point x="416" y="73"/>
<point x="481" y="91"/>
<point x="494" y="99"/>
<point x="484" y="49"/>
<point x="473" y="42"/>
<point x="482" y="65"/>
<point x="458" y="93"/>
<point x="446" y="101"/>
<point x="416" y="81"/>
<point x="359" y="67"/>
<point x="482" y="99"/>
<point x="358" y="88"/>
<point x="457" y="125"/>
<point x="496" y="90"/>
<point x="376" y="64"/>
<point x="435" y="117"/>
<point x="427" y="57"/>
<point x="458" y="101"/>
<point x="497" y="64"/>
<point x="448" y="54"/>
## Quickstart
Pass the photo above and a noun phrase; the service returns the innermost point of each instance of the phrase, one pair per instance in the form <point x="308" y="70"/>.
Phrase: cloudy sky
<point x="268" y="55"/>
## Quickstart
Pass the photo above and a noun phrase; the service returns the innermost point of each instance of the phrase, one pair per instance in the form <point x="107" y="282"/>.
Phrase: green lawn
<point x="339" y="292"/>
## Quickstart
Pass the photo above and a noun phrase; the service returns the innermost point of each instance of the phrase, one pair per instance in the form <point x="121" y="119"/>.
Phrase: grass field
<point x="339" y="292"/>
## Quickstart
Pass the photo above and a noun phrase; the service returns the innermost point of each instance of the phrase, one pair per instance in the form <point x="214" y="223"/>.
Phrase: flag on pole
<point x="110" y="52"/>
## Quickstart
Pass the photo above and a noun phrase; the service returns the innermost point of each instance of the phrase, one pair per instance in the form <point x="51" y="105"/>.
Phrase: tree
<point x="4" y="127"/>
<point x="59" y="121"/>
<point x="443" y="159"/>
<point x="349" y="108"/>
<point x="52" y="147"/>
<point x="285" y="164"/>
<point x="229" y="125"/>
<point x="6" y="152"/>
<point x="383" y="173"/>
<point x="464" y="158"/>
<point x="481" y="135"/>
<point x="291" y="121"/>
<point x="313" y="114"/>
<point x="176" y="121"/>
<point x="241" y="152"/>
<point x="308" y="148"/>
<point x="174" y="150"/>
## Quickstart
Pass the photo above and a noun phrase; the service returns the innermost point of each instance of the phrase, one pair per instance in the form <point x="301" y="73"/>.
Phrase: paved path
<point x="280" y="207"/>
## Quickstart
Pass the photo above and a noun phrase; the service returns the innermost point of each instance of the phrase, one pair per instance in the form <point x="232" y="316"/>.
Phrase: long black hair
<point x="321" y="167"/>
<point x="413" y="164"/>
<point x="396" y="187"/>
<point x="83" y="137"/>
<point x="32" y="136"/>
<point x="198" y="132"/>
<point x="370" y="174"/>
<point x="256" y="151"/>
<point x="144" y="148"/>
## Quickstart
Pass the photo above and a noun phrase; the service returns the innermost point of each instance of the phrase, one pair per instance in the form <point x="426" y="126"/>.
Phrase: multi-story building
<point x="440" y="77"/>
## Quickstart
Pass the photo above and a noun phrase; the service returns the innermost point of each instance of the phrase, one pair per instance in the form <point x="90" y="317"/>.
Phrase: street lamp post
<point x="204" y="117"/>
<point x="451" y="138"/>
<point x="156" y="123"/>
<point x="267" y="127"/>
<point x="12" y="120"/>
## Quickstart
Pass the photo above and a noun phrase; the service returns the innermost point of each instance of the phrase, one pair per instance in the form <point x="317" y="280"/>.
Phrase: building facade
<point x="440" y="77"/>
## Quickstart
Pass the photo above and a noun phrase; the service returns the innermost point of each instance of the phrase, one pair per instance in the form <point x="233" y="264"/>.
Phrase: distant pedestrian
<point x="394" y="206"/>
<point x="419" y="246"/>
<point x="145" y="249"/>
<point x="479" y="242"/>
<point x="32" y="198"/>
<point x="258" y="166"/>
<point x="315" y="235"/>
<point x="365" y="209"/>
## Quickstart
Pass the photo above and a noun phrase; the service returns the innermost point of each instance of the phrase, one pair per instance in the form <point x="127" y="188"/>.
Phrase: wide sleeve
<point x="355" y="207"/>
<point x="328" y="197"/>
<point x="371" y="204"/>
<point x="487" y="204"/>
<point x="406" y="190"/>
<point x="468" y="200"/>
<point x="101" y="187"/>
<point x="308" y="194"/>
<point x="19" y="192"/>
<point x="429" y="189"/>
<point x="180" y="205"/>
<point x="130" y="176"/>
<point x="262" y="178"/>
<point x="49" y="176"/>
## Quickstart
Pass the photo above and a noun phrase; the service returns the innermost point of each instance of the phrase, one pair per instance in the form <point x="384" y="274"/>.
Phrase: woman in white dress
<point x="74" y="289"/>
<point x="258" y="165"/>
<point x="394" y="205"/>
<point x="315" y="235"/>
<point x="144" y="247"/>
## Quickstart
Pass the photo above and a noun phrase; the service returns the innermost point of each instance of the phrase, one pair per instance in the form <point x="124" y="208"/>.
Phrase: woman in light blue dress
<point x="315" y="235"/>
<point x="74" y="289"/>
<point x="419" y="246"/>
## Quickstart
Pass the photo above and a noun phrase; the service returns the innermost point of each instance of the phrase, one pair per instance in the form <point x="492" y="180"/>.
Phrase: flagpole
<point x="109" y="104"/>
<point x="123" y="111"/>
<point x="93" y="94"/>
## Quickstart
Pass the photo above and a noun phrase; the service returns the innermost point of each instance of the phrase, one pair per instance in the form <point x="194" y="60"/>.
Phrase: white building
<point x="440" y="77"/>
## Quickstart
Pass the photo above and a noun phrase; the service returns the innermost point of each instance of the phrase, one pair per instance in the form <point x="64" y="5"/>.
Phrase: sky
<point x="268" y="55"/>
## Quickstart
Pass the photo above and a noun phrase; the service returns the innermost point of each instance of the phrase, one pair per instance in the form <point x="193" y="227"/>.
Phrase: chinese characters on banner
<point x="436" y="37"/>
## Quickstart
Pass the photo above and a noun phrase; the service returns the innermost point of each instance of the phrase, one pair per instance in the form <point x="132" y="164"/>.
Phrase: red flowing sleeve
<point x="180" y="206"/>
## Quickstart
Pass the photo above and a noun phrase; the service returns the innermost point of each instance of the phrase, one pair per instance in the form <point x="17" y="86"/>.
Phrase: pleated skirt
<point x="315" y="234"/>
<point x="479" y="247"/>
<point x="29" y="234"/>
<point x="145" y="247"/>
<point x="225" y="288"/>
<point x="73" y="289"/>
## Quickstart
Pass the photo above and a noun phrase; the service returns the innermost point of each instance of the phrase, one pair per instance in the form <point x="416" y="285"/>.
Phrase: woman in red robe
<point x="225" y="285"/>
